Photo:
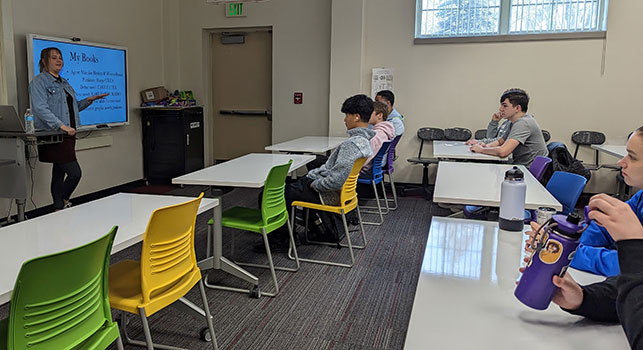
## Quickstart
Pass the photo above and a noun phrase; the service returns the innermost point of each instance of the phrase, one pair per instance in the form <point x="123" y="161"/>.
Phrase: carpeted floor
<point x="319" y="307"/>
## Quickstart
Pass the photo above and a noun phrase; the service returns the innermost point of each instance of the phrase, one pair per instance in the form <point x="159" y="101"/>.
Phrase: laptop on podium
<point x="9" y="120"/>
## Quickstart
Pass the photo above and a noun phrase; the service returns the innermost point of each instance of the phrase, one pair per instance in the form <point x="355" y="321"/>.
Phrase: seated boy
<point x="384" y="131"/>
<point x="524" y="141"/>
<point x="326" y="181"/>
<point x="394" y="116"/>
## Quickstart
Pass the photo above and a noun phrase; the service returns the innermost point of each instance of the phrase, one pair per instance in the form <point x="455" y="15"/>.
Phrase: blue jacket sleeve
<point x="82" y="104"/>
<point x="597" y="250"/>
<point x="39" y="105"/>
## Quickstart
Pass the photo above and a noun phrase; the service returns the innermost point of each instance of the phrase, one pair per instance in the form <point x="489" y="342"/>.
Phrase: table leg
<point x="218" y="262"/>
<point x="20" y="205"/>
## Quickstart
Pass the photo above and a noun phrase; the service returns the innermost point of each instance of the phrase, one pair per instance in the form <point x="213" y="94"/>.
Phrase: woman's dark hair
<point x="44" y="57"/>
<point x="517" y="97"/>
<point x="359" y="104"/>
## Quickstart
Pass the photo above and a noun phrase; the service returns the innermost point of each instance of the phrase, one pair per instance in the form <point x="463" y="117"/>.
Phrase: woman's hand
<point x="471" y="142"/>
<point x="70" y="131"/>
<point x="569" y="294"/>
<point x="91" y="99"/>
<point x="616" y="216"/>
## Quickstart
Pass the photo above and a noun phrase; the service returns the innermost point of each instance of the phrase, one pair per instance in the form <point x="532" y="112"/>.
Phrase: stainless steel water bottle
<point x="512" y="201"/>
<point x="553" y="253"/>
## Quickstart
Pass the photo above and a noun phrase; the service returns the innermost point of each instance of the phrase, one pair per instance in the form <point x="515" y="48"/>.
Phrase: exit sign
<point x="234" y="10"/>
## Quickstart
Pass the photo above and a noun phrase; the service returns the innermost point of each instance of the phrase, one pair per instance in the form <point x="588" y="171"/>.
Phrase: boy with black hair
<point x="524" y="140"/>
<point x="326" y="181"/>
<point x="394" y="116"/>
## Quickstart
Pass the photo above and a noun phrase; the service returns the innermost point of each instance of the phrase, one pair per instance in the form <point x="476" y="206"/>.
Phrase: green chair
<point x="60" y="301"/>
<point x="272" y="215"/>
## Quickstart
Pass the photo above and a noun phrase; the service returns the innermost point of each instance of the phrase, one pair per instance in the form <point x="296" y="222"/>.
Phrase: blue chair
<point x="375" y="176"/>
<point x="388" y="169"/>
<point x="566" y="188"/>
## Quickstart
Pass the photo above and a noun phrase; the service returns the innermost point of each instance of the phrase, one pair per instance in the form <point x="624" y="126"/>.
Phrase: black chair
<point x="480" y="134"/>
<point x="546" y="135"/>
<point x="429" y="135"/>
<point x="588" y="138"/>
<point x="457" y="134"/>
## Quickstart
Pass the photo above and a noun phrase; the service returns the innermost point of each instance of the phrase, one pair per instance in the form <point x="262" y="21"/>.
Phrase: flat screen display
<point x="91" y="69"/>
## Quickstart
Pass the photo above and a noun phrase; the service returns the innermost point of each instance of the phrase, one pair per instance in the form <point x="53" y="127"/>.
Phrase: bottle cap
<point x="514" y="174"/>
<point x="569" y="225"/>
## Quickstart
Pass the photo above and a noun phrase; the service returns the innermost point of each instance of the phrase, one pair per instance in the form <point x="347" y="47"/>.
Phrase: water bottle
<point x="552" y="255"/>
<point x="512" y="201"/>
<point x="29" y="123"/>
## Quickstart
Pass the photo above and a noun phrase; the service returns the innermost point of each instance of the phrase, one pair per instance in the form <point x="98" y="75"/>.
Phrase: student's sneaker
<point x="67" y="205"/>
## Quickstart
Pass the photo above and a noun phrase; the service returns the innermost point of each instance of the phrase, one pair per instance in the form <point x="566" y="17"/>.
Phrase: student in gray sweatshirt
<point x="327" y="180"/>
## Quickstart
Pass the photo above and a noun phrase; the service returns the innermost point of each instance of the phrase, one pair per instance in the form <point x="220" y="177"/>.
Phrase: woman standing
<point x="55" y="107"/>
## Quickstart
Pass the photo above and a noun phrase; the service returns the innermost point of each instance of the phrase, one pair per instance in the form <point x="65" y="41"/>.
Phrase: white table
<point x="308" y="144"/>
<point x="479" y="184"/>
<point x="617" y="151"/>
<point x="464" y="297"/>
<point x="78" y="225"/>
<point x="458" y="150"/>
<point x="247" y="171"/>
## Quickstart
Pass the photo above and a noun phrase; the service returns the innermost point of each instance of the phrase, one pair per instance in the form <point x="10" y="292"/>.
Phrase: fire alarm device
<point x="299" y="98"/>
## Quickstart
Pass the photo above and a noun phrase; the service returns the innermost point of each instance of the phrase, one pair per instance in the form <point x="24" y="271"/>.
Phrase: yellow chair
<point x="167" y="271"/>
<point x="348" y="202"/>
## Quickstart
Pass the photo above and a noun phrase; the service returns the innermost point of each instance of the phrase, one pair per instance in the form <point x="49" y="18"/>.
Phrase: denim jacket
<point x="49" y="103"/>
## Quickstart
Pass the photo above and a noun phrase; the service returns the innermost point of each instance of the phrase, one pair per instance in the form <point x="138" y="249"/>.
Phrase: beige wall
<point x="301" y="59"/>
<point x="137" y="25"/>
<point x="573" y="84"/>
<point x="459" y="84"/>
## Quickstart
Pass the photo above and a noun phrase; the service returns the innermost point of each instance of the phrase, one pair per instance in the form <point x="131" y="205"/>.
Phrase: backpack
<point x="562" y="160"/>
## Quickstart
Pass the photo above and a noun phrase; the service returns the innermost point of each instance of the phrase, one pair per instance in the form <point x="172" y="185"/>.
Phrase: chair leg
<point x="271" y="265"/>
<point x="348" y="239"/>
<point x="379" y="208"/>
<point x="119" y="343"/>
<point x="385" y="197"/>
<point x="208" y="316"/>
<point x="146" y="329"/>
<point x="394" y="200"/>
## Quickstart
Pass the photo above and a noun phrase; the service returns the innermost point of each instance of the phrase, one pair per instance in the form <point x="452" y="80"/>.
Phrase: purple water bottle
<point x="552" y="255"/>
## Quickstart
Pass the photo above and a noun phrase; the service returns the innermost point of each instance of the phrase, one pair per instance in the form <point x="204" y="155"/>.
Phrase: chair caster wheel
<point x="254" y="292"/>
<point x="205" y="334"/>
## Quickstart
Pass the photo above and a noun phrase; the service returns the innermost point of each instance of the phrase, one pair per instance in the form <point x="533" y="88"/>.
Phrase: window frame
<point x="504" y="24"/>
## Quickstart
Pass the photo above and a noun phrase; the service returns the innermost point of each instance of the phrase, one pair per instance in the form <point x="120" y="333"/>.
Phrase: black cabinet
<point x="172" y="143"/>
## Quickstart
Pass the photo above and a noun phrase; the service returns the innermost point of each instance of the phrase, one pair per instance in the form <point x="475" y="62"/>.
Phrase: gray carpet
<point x="319" y="307"/>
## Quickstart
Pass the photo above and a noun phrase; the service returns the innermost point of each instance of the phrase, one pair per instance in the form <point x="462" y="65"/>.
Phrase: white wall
<point x="137" y="25"/>
<point x="447" y="85"/>
<point x="301" y="59"/>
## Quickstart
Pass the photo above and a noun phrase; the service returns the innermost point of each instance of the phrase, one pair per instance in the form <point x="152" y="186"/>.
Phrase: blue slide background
<point x="92" y="70"/>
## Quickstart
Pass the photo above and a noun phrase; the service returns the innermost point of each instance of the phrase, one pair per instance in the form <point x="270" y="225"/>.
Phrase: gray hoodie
<point x="329" y="178"/>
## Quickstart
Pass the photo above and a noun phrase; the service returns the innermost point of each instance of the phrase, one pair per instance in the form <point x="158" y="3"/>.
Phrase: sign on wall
<point x="382" y="80"/>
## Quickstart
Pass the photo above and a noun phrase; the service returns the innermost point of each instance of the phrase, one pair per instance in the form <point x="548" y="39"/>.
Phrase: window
<point x="509" y="18"/>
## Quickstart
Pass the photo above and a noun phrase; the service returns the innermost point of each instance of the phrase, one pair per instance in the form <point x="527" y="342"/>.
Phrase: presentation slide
<point x="92" y="70"/>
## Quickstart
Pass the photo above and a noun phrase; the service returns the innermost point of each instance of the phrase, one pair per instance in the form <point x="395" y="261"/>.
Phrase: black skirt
<point x="63" y="152"/>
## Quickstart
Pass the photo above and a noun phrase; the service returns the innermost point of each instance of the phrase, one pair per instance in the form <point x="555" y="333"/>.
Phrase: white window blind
<point x="555" y="16"/>
<point x="471" y="18"/>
